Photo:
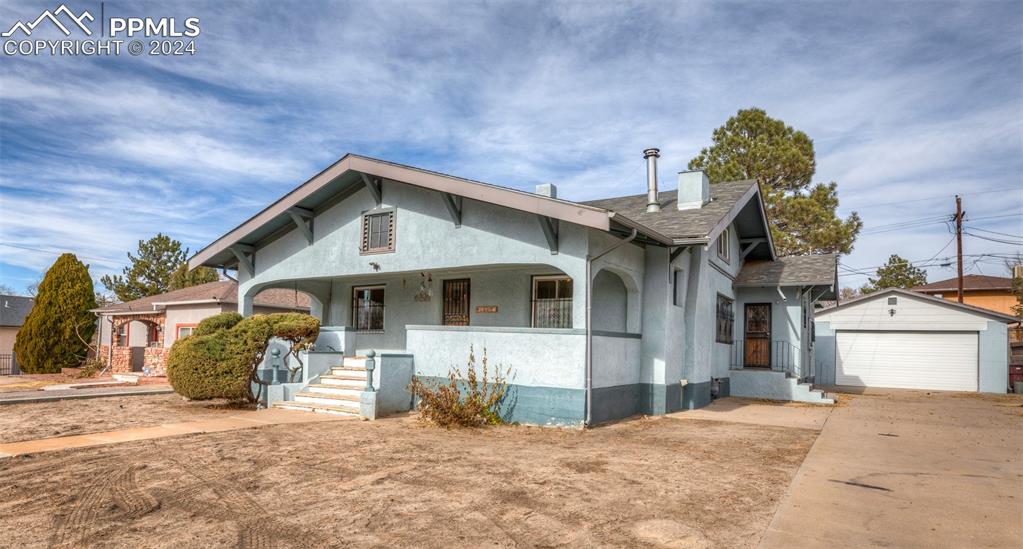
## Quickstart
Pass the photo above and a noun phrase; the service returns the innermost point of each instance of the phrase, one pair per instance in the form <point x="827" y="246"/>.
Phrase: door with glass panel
<point x="456" y="302"/>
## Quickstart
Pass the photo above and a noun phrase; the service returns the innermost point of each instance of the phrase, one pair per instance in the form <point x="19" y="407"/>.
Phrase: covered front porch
<point x="529" y="319"/>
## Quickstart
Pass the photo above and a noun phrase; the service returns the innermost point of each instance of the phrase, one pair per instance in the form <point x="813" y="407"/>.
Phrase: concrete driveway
<point x="909" y="469"/>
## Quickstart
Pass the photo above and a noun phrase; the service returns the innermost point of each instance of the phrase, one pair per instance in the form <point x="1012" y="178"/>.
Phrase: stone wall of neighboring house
<point x="155" y="360"/>
<point x="120" y="358"/>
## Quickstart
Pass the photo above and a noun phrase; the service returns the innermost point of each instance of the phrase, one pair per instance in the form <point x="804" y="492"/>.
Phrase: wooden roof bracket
<point x="550" y="231"/>
<point x="454" y="205"/>
<point x="375" y="187"/>
<point x="246" y="255"/>
<point x="303" y="219"/>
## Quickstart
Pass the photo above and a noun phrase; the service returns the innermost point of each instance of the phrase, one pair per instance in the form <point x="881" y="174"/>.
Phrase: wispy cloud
<point x="904" y="100"/>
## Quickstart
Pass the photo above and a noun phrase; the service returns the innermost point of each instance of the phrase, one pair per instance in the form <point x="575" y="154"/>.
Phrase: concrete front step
<point x="773" y="385"/>
<point x="338" y="391"/>
<point x="344" y="381"/>
<point x="318" y="408"/>
<point x="324" y="398"/>
<point x="349" y="371"/>
<point x="354" y="362"/>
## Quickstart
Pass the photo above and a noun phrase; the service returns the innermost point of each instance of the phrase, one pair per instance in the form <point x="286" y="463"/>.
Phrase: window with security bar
<point x="552" y="302"/>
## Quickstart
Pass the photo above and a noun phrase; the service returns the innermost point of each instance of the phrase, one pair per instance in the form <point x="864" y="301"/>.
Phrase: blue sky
<point x="908" y="104"/>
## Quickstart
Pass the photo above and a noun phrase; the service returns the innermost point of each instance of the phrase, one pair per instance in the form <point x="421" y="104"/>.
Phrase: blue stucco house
<point x="646" y="303"/>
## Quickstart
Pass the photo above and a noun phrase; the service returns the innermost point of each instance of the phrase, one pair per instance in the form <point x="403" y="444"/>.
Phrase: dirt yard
<point x="395" y="483"/>
<point x="93" y="415"/>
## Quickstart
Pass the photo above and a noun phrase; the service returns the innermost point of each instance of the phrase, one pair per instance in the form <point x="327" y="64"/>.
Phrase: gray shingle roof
<point x="675" y="223"/>
<point x="794" y="270"/>
<point x="14" y="309"/>
<point x="224" y="291"/>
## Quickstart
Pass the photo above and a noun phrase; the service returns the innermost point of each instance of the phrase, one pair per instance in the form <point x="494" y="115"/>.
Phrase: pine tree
<point x="184" y="278"/>
<point x="153" y="270"/>
<point x="55" y="331"/>
<point x="897" y="273"/>
<point x="752" y="145"/>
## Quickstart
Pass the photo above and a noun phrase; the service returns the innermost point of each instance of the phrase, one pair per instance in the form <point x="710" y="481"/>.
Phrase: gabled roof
<point x="970" y="282"/>
<point x="793" y="270"/>
<point x="917" y="295"/>
<point x="222" y="292"/>
<point x="670" y="227"/>
<point x="14" y="309"/>
<point x="681" y="224"/>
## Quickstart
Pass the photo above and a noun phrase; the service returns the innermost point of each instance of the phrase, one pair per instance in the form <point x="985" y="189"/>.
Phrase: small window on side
<point x="678" y="289"/>
<point x="724" y="242"/>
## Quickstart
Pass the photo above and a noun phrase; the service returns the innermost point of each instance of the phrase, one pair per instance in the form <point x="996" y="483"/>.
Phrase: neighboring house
<point x="13" y="310"/>
<point x="647" y="303"/>
<point x="143" y="330"/>
<point x="987" y="292"/>
<point x="903" y="339"/>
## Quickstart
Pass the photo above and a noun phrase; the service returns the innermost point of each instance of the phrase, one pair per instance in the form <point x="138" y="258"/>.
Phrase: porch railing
<point x="784" y="357"/>
<point x="552" y="313"/>
<point x="9" y="365"/>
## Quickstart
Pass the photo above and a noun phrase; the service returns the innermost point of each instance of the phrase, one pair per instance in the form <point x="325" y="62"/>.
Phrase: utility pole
<point x="959" y="245"/>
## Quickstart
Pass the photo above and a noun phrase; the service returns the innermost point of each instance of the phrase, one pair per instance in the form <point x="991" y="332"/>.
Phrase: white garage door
<point x="908" y="360"/>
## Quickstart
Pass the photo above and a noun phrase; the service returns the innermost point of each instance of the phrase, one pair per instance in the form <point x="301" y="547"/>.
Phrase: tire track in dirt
<point x="235" y="506"/>
<point x="72" y="529"/>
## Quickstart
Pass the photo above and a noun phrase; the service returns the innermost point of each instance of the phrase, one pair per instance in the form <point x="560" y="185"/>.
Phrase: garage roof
<point x="917" y="295"/>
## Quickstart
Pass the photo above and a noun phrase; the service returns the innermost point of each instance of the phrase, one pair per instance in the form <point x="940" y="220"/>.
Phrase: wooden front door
<point x="456" y="302"/>
<point x="758" y="335"/>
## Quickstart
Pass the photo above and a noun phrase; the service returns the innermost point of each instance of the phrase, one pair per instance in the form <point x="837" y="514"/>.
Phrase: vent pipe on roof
<point x="651" y="156"/>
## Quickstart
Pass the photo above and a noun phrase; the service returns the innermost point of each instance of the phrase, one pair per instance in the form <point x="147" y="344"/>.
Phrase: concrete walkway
<point x="758" y="412"/>
<point x="241" y="420"/>
<point x="909" y="469"/>
<point x="20" y="397"/>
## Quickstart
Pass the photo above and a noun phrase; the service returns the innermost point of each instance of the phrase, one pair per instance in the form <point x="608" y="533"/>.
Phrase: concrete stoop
<point x="772" y="385"/>
<point x="336" y="393"/>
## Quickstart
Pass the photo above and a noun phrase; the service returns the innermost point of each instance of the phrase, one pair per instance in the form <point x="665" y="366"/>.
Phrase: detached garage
<point x="900" y="339"/>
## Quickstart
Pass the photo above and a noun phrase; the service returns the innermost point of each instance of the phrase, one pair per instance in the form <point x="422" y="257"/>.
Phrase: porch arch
<point x="318" y="293"/>
<point x="615" y="301"/>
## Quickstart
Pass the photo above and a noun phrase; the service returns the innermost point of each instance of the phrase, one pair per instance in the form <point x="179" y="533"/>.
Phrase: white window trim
<point x="725" y="245"/>
<point x="533" y="298"/>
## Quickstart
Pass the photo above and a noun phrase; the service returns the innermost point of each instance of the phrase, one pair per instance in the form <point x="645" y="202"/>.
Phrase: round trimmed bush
<point x="215" y="323"/>
<point x="220" y="358"/>
<point x="198" y="368"/>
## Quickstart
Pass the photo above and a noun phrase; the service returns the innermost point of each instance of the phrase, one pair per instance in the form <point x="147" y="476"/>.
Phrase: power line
<point x="993" y="232"/>
<point x="998" y="240"/>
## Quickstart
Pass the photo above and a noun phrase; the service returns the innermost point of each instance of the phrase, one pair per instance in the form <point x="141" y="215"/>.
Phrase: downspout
<point x="589" y="319"/>
<point x="223" y="270"/>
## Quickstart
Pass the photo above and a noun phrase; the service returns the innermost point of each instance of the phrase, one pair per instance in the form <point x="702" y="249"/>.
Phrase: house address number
<point x="480" y="309"/>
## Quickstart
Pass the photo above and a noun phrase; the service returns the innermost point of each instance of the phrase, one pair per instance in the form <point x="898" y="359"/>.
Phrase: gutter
<point x="589" y="320"/>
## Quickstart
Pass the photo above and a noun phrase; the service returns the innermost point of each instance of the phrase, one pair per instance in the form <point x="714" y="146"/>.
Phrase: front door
<point x="456" y="302"/>
<point x="758" y="335"/>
